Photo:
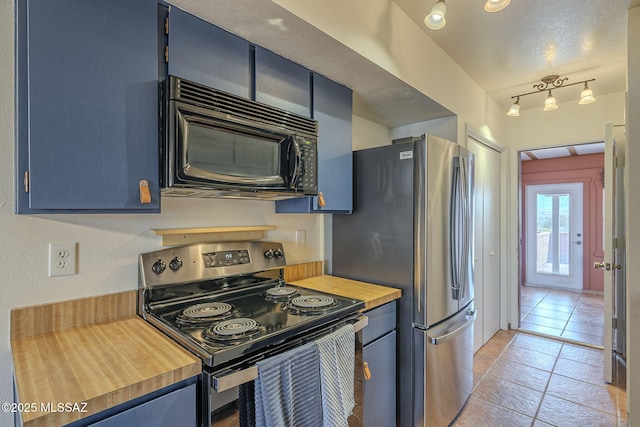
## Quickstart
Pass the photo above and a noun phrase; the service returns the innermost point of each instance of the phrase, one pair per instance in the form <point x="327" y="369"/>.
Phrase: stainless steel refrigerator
<point x="412" y="228"/>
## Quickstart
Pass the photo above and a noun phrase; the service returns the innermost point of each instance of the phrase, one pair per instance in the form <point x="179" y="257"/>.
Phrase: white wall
<point x="445" y="127"/>
<point x="367" y="134"/>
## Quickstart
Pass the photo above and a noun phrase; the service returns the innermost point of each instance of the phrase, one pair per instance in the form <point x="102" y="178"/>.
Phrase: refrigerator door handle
<point x="454" y="229"/>
<point x="437" y="339"/>
<point x="466" y="218"/>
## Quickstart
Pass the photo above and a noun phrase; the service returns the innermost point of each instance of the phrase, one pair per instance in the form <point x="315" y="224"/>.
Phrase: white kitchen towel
<point x="287" y="391"/>
<point x="337" y="354"/>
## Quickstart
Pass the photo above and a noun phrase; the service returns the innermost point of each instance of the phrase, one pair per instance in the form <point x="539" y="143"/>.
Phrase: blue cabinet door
<point x="87" y="91"/>
<point x="205" y="54"/>
<point x="282" y="83"/>
<point x="171" y="406"/>
<point x="177" y="408"/>
<point x="380" y="390"/>
<point x="332" y="108"/>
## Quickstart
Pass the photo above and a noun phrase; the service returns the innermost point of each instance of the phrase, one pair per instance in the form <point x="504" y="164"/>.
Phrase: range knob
<point x="175" y="264"/>
<point x="158" y="267"/>
<point x="269" y="254"/>
<point x="278" y="253"/>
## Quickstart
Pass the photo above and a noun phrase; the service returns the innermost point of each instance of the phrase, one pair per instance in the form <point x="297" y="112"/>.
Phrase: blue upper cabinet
<point x="206" y="54"/>
<point x="282" y="83"/>
<point x="87" y="106"/>
<point x="332" y="108"/>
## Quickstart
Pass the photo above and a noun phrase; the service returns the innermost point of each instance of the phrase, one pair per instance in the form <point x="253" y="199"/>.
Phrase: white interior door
<point x="554" y="235"/>
<point x="613" y="263"/>
<point x="619" y="253"/>
<point x="487" y="235"/>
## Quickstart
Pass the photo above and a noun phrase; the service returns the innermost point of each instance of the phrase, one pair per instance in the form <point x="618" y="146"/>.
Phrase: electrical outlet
<point x="301" y="239"/>
<point x="62" y="259"/>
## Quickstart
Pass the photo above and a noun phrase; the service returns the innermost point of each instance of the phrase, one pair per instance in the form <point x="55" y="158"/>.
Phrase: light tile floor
<point x="571" y="315"/>
<point x="527" y="380"/>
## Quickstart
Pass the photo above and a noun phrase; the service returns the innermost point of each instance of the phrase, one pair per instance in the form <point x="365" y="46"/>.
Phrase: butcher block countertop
<point x="372" y="295"/>
<point x="95" y="352"/>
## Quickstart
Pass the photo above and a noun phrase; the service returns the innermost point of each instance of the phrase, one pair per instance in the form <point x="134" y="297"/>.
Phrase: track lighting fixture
<point x="586" y="96"/>
<point x="435" y="20"/>
<point x="496" y="5"/>
<point x="548" y="84"/>
<point x="550" y="103"/>
<point x="514" y="111"/>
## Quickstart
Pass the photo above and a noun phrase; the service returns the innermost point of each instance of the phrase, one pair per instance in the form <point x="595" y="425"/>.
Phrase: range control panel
<point x="225" y="258"/>
<point x="208" y="261"/>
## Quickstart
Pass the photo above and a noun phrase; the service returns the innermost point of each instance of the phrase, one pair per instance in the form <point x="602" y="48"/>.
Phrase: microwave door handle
<point x="293" y="178"/>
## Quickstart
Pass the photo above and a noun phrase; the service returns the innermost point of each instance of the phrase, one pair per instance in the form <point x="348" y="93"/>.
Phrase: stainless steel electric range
<point x="228" y="303"/>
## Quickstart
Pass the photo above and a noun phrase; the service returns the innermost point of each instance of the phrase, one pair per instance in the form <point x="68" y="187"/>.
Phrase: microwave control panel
<point x="308" y="181"/>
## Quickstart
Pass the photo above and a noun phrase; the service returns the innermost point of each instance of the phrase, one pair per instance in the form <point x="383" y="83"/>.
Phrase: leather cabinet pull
<point x="145" y="194"/>
<point x="321" y="201"/>
<point x="367" y="372"/>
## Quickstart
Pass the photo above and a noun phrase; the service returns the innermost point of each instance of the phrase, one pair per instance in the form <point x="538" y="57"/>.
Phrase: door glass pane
<point x="552" y="226"/>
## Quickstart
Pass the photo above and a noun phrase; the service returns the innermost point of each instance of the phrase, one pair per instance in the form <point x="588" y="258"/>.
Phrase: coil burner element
<point x="281" y="293"/>
<point x="232" y="330"/>
<point x="310" y="304"/>
<point x="206" y="312"/>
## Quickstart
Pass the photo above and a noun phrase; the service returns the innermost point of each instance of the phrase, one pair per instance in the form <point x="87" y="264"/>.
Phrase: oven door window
<point x="211" y="150"/>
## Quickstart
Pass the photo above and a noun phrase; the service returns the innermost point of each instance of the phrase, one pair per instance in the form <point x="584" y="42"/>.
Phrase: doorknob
<point x="603" y="265"/>
<point x="578" y="242"/>
<point x="617" y="266"/>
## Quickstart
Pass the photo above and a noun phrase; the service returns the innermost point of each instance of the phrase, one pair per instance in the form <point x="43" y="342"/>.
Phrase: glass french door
<point x="554" y="235"/>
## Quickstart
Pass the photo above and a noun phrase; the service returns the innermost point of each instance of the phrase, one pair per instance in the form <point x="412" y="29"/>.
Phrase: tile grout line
<point x="570" y="314"/>
<point x="544" y="393"/>
<point x="494" y="362"/>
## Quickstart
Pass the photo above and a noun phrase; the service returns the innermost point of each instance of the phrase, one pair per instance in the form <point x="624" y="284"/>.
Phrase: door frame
<point x="516" y="226"/>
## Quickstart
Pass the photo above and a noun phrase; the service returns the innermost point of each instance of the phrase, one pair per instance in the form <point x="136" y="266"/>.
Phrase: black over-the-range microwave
<point x="216" y="144"/>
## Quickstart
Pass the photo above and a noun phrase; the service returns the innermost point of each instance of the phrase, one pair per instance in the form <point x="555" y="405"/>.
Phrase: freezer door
<point x="434" y="299"/>
<point x="443" y="370"/>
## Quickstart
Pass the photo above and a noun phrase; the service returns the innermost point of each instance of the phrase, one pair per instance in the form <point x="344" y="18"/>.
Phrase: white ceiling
<point x="506" y="52"/>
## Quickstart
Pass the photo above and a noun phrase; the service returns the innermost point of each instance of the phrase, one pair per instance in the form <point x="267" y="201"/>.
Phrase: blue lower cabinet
<point x="380" y="389"/>
<point x="379" y="353"/>
<point x="87" y="106"/>
<point x="170" y="407"/>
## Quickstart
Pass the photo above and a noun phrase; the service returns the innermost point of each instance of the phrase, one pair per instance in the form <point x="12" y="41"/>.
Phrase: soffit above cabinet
<point x="378" y="95"/>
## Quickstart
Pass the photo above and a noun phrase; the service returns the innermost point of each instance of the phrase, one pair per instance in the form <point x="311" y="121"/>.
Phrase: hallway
<point x="571" y="315"/>
<point x="525" y="380"/>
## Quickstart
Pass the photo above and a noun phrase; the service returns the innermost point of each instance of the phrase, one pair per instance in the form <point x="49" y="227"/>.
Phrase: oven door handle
<point x="230" y="379"/>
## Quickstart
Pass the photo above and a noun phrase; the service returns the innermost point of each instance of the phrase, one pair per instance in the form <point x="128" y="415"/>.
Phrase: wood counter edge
<point x="372" y="294"/>
<point x="112" y="398"/>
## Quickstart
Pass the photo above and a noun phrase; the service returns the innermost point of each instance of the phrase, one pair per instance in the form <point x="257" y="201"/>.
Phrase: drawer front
<point x="381" y="321"/>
